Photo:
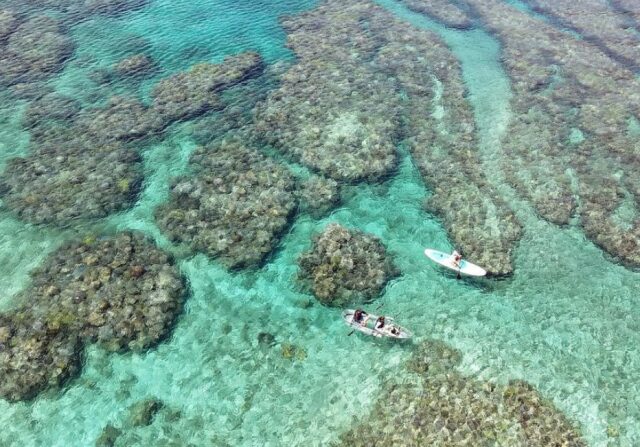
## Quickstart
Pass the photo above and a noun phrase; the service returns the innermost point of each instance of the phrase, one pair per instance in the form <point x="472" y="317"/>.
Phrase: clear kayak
<point x="446" y="260"/>
<point x="390" y="329"/>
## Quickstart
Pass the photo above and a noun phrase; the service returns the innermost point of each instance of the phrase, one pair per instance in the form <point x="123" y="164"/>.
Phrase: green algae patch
<point x="290" y="351"/>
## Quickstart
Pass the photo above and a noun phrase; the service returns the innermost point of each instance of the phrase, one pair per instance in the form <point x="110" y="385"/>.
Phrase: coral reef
<point x="196" y="91"/>
<point x="597" y="22"/>
<point x="34" y="355"/>
<point x="442" y="138"/>
<point x="79" y="167"/>
<point x="447" y="12"/>
<point x="434" y="357"/>
<point x="630" y="7"/>
<point x="333" y="112"/>
<point x="136" y="66"/>
<point x="121" y="119"/>
<point x="318" y="195"/>
<point x="569" y="141"/>
<point x="74" y="10"/>
<point x="534" y="134"/>
<point x="237" y="103"/>
<point x="51" y="107"/>
<point x="61" y="183"/>
<point x="419" y="94"/>
<point x="32" y="50"/>
<point x="345" y="267"/>
<point x="121" y="292"/>
<point x="108" y="7"/>
<point x="445" y="408"/>
<point x="233" y="208"/>
<point x="8" y="22"/>
<point x="540" y="421"/>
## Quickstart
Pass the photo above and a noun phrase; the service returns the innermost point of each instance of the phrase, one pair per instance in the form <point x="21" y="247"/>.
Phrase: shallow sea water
<point x="567" y="321"/>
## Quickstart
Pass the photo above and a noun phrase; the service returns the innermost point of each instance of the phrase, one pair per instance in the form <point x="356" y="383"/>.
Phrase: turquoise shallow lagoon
<point x="567" y="320"/>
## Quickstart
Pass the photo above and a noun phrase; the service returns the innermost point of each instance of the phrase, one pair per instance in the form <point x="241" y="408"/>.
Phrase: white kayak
<point x="390" y="329"/>
<point x="446" y="260"/>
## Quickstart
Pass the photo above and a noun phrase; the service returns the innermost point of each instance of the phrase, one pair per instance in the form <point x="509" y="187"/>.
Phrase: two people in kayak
<point x="361" y="317"/>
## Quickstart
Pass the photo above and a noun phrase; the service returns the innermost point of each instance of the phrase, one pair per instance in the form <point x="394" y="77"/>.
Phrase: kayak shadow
<point x="385" y="343"/>
<point x="486" y="284"/>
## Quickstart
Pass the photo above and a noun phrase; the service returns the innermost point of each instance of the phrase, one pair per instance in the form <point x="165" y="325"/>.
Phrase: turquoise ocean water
<point x="567" y="321"/>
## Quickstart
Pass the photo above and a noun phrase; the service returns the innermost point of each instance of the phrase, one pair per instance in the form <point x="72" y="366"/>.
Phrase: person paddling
<point x="455" y="259"/>
<point x="360" y="317"/>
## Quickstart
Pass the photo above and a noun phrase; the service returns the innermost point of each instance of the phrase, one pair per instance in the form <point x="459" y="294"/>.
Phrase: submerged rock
<point x="142" y="413"/>
<point x="345" y="266"/>
<point x="266" y="340"/>
<point x="290" y="351"/>
<point x="108" y="437"/>
<point x="85" y="292"/>
<point x="234" y="208"/>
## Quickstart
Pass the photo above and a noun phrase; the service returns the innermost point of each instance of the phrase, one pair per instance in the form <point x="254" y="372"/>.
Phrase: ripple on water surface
<point x="255" y="361"/>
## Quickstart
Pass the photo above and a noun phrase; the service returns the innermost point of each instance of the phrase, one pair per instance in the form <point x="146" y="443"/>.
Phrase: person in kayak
<point x="379" y="322"/>
<point x="360" y="317"/>
<point x="456" y="258"/>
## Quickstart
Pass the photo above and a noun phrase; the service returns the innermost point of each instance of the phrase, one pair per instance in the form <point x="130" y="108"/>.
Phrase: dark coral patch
<point x="33" y="50"/>
<point x="121" y="292"/>
<point x="234" y="208"/>
<point x="58" y="183"/>
<point x="193" y="92"/>
<point x="345" y="266"/>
